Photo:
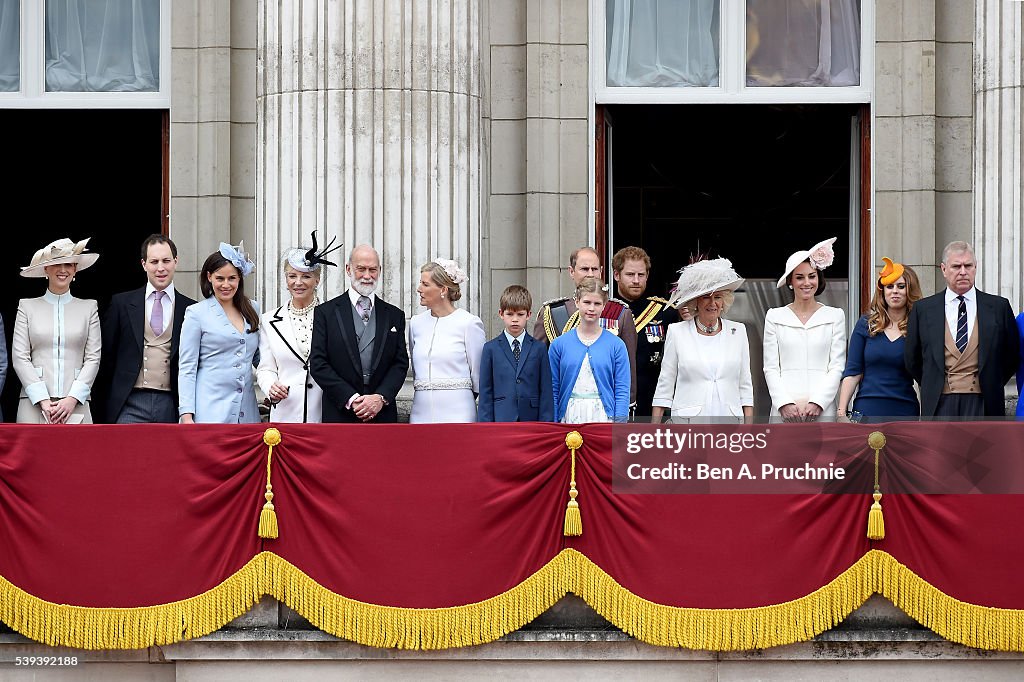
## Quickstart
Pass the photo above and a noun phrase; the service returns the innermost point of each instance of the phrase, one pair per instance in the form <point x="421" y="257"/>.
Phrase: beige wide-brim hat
<point x="60" y="251"/>
<point x="702" y="278"/>
<point x="820" y="255"/>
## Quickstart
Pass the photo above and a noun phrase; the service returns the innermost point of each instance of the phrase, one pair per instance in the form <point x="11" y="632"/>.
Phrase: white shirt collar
<point x="952" y="295"/>
<point x="510" y="338"/>
<point x="169" y="291"/>
<point x="354" y="295"/>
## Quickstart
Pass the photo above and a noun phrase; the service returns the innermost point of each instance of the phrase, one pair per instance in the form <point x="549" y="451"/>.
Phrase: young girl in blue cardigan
<point x="590" y="366"/>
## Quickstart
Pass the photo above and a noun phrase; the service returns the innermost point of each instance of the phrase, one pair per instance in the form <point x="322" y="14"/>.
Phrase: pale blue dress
<point x="215" y="367"/>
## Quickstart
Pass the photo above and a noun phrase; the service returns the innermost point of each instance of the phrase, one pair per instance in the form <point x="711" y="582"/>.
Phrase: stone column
<point x="368" y="129"/>
<point x="997" y="148"/>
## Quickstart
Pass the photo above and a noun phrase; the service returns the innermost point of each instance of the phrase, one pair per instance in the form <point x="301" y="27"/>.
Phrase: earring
<point x="442" y="294"/>
<point x="790" y="287"/>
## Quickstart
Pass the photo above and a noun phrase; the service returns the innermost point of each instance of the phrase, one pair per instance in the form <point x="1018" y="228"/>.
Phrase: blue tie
<point x="961" y="325"/>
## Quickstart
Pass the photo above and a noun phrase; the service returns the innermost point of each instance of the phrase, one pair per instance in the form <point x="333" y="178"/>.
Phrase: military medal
<point x="655" y="333"/>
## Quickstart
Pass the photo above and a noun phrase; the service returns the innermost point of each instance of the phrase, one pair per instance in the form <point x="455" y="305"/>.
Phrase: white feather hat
<point x="704" y="277"/>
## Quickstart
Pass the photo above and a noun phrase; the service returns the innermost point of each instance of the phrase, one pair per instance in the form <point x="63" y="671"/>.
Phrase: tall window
<point x="732" y="50"/>
<point x="803" y="42"/>
<point x="10" y="45"/>
<point x="102" y="45"/>
<point x="663" y="43"/>
<point x="84" y="53"/>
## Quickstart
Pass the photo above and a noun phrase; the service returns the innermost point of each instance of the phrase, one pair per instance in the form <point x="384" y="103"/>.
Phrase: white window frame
<point x="33" y="95"/>
<point x="732" y="88"/>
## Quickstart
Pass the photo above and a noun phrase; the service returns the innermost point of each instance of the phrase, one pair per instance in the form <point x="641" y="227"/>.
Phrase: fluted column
<point x="368" y="129"/>
<point x="997" y="148"/>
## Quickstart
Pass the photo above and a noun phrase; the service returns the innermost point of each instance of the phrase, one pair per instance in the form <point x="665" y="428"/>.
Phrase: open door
<point x="604" y="222"/>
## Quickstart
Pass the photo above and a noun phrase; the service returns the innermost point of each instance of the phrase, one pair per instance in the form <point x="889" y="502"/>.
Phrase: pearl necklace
<point x="301" y="312"/>
<point x="713" y="329"/>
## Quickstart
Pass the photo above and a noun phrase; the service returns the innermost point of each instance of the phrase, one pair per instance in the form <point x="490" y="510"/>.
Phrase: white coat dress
<point x="283" y="359"/>
<point x="445" y="354"/>
<point x="804" y="362"/>
<point x="688" y="378"/>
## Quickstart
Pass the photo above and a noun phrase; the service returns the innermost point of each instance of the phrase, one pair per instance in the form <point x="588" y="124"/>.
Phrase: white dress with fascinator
<point x="445" y="354"/>
<point x="285" y="337"/>
<point x="804" y="362"/>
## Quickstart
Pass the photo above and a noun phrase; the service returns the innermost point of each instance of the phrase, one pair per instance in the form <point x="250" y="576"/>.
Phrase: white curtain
<point x="10" y="46"/>
<point x="102" y="45"/>
<point x="663" y="43"/>
<point x="803" y="42"/>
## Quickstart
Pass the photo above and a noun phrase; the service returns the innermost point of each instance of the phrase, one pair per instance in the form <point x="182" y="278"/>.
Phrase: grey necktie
<point x="363" y="308"/>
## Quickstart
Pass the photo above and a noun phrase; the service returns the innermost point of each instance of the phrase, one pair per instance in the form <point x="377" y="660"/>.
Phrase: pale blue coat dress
<point x="215" y="367"/>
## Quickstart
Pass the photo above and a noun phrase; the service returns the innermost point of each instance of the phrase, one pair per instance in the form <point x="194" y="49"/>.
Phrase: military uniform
<point x="653" y="315"/>
<point x="560" y="315"/>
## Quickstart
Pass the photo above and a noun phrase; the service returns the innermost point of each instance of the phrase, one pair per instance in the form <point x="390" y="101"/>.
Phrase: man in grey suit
<point x="358" y="354"/>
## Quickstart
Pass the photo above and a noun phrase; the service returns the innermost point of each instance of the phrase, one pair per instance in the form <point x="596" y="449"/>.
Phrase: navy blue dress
<point x="886" y="389"/>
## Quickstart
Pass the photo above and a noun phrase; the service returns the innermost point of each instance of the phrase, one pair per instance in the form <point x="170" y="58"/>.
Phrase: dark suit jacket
<point x="511" y="392"/>
<point x="123" y="327"/>
<point x="925" y="353"/>
<point x="334" y="358"/>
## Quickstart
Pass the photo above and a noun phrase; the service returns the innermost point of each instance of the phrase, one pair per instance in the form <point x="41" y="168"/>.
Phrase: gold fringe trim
<point x="83" y="627"/>
<point x="409" y="628"/>
<point x="485" y="621"/>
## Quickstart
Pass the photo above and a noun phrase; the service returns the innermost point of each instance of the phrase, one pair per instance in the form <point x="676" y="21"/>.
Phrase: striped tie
<point x="961" y="325"/>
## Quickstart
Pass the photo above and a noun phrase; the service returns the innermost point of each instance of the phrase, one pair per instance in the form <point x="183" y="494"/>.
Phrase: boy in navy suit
<point x="515" y="377"/>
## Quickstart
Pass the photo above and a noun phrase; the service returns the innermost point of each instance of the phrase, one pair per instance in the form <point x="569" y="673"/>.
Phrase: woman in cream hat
<point x="805" y="341"/>
<point x="56" y="346"/>
<point x="706" y="368"/>
<point x="875" y="359"/>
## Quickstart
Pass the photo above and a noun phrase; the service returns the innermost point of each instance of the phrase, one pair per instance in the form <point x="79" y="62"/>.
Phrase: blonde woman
<point x="706" y="368"/>
<point x="286" y="335"/>
<point x="590" y="372"/>
<point x="445" y="344"/>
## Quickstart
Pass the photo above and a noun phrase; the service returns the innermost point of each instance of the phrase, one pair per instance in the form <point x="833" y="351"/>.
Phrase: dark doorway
<point x="78" y="174"/>
<point x="751" y="183"/>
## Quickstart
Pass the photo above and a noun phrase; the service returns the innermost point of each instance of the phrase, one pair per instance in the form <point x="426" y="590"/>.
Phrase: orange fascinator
<point x="890" y="273"/>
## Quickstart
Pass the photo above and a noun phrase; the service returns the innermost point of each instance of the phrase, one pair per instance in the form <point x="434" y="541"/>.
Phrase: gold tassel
<point x="573" y="520"/>
<point x="268" y="517"/>
<point x="876" y="522"/>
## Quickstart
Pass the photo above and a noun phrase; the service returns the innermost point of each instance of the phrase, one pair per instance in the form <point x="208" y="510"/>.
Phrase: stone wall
<point x="213" y="126"/>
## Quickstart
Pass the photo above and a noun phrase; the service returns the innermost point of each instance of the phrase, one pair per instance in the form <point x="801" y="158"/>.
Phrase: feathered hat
<point x="308" y="260"/>
<point x="704" y="277"/>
